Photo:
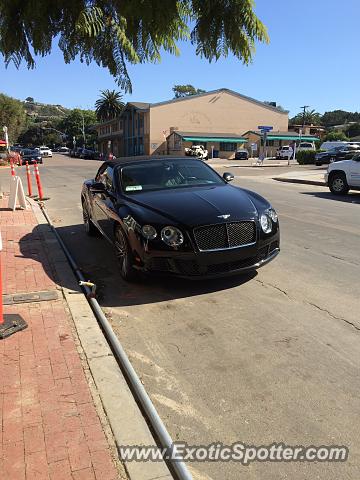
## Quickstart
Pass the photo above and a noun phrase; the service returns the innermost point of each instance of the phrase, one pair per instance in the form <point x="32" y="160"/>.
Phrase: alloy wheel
<point x="338" y="184"/>
<point x="121" y="250"/>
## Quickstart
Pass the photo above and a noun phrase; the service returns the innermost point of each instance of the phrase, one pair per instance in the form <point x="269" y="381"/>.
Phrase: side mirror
<point x="228" y="177"/>
<point x="97" y="187"/>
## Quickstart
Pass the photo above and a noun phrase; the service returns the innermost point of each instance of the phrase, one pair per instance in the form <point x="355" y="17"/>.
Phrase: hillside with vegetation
<point x="33" y="123"/>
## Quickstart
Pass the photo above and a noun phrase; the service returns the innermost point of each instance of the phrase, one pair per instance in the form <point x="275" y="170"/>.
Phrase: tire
<point x="124" y="256"/>
<point x="332" y="160"/>
<point x="338" y="184"/>
<point x="90" y="228"/>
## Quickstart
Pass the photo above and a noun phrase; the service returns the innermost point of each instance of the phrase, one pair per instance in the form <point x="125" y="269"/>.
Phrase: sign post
<point x="264" y="129"/>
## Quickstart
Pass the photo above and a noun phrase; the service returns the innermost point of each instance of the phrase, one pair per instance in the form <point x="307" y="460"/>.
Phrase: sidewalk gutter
<point x="301" y="181"/>
<point x="125" y="418"/>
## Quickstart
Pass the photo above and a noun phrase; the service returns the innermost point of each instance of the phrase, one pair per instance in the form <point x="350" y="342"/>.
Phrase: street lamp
<point x="5" y="130"/>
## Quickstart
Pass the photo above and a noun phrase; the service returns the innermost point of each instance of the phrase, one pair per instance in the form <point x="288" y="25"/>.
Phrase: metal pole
<point x="140" y="393"/>
<point x="5" y="130"/>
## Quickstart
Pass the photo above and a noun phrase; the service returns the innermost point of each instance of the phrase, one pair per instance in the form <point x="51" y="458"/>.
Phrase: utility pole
<point x="83" y="129"/>
<point x="304" y="111"/>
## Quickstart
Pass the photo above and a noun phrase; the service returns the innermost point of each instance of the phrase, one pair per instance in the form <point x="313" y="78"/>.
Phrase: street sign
<point x="262" y="127"/>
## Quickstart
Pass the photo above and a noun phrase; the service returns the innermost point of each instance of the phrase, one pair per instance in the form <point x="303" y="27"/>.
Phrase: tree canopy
<point x="109" y="105"/>
<point x="339" y="117"/>
<point x="353" y="130"/>
<point x="334" y="136"/>
<point x="12" y="114"/>
<point x="310" y="117"/>
<point x="116" y="33"/>
<point x="72" y="125"/>
<point x="186" y="90"/>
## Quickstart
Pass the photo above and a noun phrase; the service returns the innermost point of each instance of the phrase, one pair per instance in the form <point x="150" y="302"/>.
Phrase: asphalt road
<point x="272" y="357"/>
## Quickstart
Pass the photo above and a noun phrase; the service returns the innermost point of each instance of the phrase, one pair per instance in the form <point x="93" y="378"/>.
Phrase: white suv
<point x="284" y="152"/>
<point x="45" y="151"/>
<point x="344" y="176"/>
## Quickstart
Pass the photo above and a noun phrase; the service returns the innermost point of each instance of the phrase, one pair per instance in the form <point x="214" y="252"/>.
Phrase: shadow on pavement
<point x="96" y="259"/>
<point x="351" y="197"/>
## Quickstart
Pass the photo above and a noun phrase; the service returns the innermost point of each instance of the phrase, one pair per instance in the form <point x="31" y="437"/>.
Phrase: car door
<point x="355" y="171"/>
<point x="104" y="203"/>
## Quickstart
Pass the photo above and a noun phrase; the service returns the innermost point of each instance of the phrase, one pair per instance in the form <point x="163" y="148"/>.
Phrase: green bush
<point x="306" y="157"/>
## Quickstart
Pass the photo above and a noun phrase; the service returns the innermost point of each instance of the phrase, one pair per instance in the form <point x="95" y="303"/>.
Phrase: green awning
<point x="214" y="139"/>
<point x="293" y="137"/>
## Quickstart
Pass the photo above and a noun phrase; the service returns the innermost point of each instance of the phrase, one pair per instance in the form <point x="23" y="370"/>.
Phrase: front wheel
<point x="332" y="160"/>
<point x="124" y="256"/>
<point x="338" y="184"/>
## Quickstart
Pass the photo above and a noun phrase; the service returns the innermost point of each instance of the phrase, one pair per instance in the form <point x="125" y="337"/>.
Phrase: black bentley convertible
<point x="177" y="216"/>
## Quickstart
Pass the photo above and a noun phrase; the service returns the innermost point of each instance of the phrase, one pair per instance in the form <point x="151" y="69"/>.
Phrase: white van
<point x="306" y="146"/>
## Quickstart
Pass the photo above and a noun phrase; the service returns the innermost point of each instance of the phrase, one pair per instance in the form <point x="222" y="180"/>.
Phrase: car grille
<point x="192" y="268"/>
<point x="225" y="235"/>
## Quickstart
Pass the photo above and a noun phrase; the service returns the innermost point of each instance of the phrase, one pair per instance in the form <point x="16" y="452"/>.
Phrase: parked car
<point x="284" y="152"/>
<point x="306" y="146"/>
<point x="76" y="152"/>
<point x="16" y="148"/>
<point x="241" y="154"/>
<point x="87" y="153"/>
<point x="344" y="175"/>
<point x="31" y="156"/>
<point x="44" y="151"/>
<point x="63" y="150"/>
<point x="198" y="151"/>
<point x="179" y="217"/>
<point x="336" y="154"/>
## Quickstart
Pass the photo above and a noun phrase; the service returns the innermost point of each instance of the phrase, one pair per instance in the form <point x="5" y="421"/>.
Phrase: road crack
<point x="265" y="284"/>
<point x="334" y="316"/>
<point x="178" y="348"/>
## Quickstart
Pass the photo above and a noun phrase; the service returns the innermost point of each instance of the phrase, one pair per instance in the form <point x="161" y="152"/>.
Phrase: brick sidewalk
<point x="50" y="426"/>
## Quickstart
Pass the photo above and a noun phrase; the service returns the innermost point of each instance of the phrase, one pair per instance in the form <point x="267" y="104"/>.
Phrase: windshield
<point x="167" y="174"/>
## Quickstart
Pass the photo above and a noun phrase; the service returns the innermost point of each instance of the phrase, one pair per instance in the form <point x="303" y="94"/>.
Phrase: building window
<point x="228" y="147"/>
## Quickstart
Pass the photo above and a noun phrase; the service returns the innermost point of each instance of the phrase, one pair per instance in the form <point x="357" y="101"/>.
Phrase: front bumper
<point x="213" y="264"/>
<point x="326" y="178"/>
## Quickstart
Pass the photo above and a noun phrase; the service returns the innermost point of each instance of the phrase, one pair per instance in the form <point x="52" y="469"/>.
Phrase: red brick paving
<point x="49" y="425"/>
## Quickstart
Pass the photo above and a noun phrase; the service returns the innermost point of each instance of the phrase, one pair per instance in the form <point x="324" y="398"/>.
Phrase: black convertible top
<point x="128" y="160"/>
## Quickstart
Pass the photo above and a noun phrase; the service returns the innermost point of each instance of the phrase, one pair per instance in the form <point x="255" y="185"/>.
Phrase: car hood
<point x="199" y="205"/>
<point x="337" y="165"/>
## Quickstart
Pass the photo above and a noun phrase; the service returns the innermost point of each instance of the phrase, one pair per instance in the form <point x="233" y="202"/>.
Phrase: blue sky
<point x="312" y="59"/>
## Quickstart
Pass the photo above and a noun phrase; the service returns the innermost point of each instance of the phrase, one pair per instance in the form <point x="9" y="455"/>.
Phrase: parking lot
<point x="263" y="358"/>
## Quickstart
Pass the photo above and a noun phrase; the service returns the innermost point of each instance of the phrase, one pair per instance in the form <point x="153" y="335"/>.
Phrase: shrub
<point x="306" y="157"/>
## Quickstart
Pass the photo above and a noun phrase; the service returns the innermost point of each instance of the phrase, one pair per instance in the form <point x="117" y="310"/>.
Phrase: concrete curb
<point x="124" y="416"/>
<point x="298" y="180"/>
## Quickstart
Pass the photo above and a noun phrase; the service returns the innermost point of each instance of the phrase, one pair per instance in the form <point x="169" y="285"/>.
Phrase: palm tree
<point x="312" y="117"/>
<point x="109" y="105"/>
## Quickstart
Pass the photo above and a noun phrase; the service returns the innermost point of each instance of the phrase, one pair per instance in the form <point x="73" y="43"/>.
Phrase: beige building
<point x="214" y="119"/>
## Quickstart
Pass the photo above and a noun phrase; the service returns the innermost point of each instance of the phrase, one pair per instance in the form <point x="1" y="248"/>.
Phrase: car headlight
<point x="149" y="232"/>
<point x="273" y="215"/>
<point x="172" y="236"/>
<point x="266" y="223"/>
